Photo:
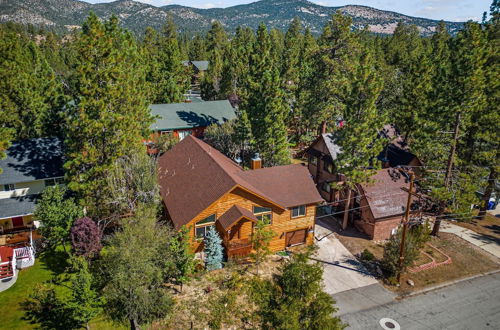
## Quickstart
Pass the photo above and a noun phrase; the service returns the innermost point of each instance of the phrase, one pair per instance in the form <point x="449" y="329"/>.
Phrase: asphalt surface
<point x="470" y="305"/>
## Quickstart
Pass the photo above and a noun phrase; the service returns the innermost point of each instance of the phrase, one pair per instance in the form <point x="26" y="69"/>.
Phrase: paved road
<point x="469" y="305"/>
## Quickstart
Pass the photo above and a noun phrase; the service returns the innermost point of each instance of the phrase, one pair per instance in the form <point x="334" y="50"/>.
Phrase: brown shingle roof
<point x="193" y="175"/>
<point x="385" y="194"/>
<point x="234" y="214"/>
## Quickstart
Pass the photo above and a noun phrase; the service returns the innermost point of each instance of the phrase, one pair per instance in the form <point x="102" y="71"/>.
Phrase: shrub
<point x="85" y="238"/>
<point x="213" y="250"/>
<point x="416" y="238"/>
<point x="367" y="255"/>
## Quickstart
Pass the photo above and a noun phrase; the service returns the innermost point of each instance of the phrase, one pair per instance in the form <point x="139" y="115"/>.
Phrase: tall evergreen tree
<point x="216" y="47"/>
<point x="110" y="116"/>
<point x="30" y="95"/>
<point x="408" y="53"/>
<point x="197" y="49"/>
<point x="300" y="120"/>
<point x="334" y="61"/>
<point x="290" y="69"/>
<point x="237" y="64"/>
<point x="265" y="104"/>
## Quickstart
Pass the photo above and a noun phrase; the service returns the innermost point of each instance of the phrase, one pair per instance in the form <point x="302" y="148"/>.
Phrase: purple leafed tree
<point x="85" y="237"/>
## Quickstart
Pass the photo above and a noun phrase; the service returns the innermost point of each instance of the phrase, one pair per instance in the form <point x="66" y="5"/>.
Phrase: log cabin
<point x="202" y="188"/>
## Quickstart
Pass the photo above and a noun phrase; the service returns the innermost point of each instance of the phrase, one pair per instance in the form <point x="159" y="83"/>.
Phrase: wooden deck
<point x="238" y="247"/>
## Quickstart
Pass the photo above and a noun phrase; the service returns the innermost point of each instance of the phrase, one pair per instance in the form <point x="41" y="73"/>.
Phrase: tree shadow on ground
<point x="55" y="261"/>
<point x="487" y="239"/>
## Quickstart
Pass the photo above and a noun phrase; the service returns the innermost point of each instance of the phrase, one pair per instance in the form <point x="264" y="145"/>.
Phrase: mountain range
<point x="65" y="15"/>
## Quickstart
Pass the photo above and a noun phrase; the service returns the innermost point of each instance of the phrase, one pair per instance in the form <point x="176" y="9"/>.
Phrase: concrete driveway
<point x="342" y="271"/>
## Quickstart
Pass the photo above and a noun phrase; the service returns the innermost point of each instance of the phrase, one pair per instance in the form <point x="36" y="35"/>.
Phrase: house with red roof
<point x="202" y="188"/>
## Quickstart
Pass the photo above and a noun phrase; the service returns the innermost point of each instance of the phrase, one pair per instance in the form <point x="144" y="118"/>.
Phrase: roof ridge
<point x="203" y="145"/>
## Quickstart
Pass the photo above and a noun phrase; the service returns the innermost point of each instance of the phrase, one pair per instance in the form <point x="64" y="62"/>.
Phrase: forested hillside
<point x="66" y="15"/>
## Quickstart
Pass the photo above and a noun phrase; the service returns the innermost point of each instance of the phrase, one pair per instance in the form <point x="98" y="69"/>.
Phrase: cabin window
<point x="328" y="167"/>
<point x="53" y="182"/>
<point x="9" y="187"/>
<point x="263" y="213"/>
<point x="202" y="226"/>
<point x="326" y="187"/>
<point x="183" y="134"/>
<point x="313" y="160"/>
<point x="298" y="211"/>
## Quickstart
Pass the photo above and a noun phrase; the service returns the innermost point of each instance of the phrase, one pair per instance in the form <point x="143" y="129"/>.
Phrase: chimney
<point x="256" y="162"/>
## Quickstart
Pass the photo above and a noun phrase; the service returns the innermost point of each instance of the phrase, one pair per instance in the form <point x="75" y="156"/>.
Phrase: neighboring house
<point x="30" y="166"/>
<point x="397" y="152"/>
<point x="202" y="188"/>
<point x="382" y="203"/>
<point x="198" y="68"/>
<point x="322" y="156"/>
<point x="183" y="119"/>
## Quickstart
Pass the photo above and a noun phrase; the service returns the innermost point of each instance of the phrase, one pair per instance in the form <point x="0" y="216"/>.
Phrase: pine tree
<point x="30" y="95"/>
<point x="180" y="253"/>
<point x="408" y="53"/>
<point x="174" y="76"/>
<point x="109" y="117"/>
<point x="237" y="65"/>
<point x="85" y="303"/>
<point x="213" y="250"/>
<point x="334" y="62"/>
<point x="290" y="70"/>
<point x="197" y="49"/>
<point x="265" y="104"/>
<point x="358" y="138"/>
<point x="217" y="41"/>
<point x="301" y="120"/>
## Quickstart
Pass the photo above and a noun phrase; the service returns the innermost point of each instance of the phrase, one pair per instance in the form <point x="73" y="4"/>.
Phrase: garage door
<point x="296" y="237"/>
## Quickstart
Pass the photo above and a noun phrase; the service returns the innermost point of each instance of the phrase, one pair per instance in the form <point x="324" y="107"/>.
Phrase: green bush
<point x="416" y="237"/>
<point x="367" y="255"/>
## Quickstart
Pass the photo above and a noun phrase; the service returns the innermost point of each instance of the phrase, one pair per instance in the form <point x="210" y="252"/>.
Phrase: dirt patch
<point x="467" y="260"/>
<point x="219" y="296"/>
<point x="490" y="226"/>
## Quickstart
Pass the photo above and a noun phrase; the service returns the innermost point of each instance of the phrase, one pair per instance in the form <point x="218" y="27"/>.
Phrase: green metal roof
<point x="200" y="65"/>
<point x="190" y="115"/>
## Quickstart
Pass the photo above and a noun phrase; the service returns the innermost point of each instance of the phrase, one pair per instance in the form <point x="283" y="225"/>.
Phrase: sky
<point x="450" y="10"/>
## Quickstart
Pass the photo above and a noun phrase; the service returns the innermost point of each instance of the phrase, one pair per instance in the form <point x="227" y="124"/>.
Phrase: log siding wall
<point x="282" y="221"/>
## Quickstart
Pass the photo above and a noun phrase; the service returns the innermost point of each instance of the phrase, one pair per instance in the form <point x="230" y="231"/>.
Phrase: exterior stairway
<point x="6" y="270"/>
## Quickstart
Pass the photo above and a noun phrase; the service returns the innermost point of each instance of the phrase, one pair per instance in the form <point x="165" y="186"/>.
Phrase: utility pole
<point x="405" y="227"/>
<point x="447" y="177"/>
<point x="346" y="208"/>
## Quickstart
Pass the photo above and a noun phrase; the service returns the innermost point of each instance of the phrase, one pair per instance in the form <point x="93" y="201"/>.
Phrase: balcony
<point x="238" y="247"/>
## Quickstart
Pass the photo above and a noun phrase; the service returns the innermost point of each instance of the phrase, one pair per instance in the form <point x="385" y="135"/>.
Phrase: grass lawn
<point x="46" y="266"/>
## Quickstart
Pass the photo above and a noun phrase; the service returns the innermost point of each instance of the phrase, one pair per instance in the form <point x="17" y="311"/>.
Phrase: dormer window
<point x="263" y="213"/>
<point x="202" y="226"/>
